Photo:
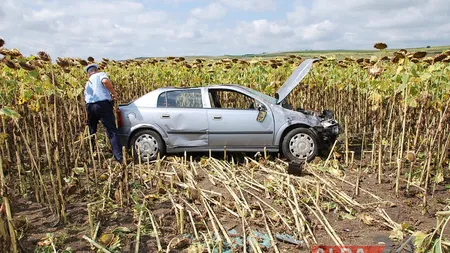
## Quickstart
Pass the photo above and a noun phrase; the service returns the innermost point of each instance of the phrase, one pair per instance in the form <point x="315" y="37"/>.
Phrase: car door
<point x="232" y="121"/>
<point x="181" y="115"/>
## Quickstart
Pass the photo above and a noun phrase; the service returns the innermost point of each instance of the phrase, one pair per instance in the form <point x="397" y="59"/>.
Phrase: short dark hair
<point x="92" y="68"/>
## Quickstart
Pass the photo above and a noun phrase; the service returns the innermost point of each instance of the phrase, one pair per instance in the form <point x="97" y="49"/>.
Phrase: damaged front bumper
<point x="329" y="129"/>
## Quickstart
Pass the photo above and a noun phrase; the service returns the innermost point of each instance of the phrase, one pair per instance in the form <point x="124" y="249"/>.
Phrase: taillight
<point x="119" y="118"/>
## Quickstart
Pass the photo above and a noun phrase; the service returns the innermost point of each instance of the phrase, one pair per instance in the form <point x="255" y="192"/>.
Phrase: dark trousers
<point x="104" y="111"/>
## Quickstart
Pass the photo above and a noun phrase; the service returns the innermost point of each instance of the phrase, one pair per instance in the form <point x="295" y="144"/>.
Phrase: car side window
<point x="162" y="100"/>
<point x="229" y="99"/>
<point x="191" y="98"/>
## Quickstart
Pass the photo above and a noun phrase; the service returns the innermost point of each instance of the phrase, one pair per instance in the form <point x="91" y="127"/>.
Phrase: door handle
<point x="165" y="116"/>
<point x="217" y="117"/>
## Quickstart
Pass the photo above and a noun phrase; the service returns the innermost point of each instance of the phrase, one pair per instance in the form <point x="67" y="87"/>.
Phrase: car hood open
<point x="293" y="80"/>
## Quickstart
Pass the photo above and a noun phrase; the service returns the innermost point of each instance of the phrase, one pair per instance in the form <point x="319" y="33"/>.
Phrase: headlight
<point x="336" y="130"/>
<point x="326" y="123"/>
<point x="331" y="126"/>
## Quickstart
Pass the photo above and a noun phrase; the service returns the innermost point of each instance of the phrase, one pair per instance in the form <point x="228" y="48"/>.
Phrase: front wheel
<point x="300" y="144"/>
<point x="147" y="144"/>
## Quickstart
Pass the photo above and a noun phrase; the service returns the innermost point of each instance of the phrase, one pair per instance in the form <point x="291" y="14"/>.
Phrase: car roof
<point x="197" y="87"/>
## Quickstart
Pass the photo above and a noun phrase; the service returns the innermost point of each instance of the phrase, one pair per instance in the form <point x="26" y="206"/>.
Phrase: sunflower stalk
<point x="98" y="246"/>
<point x="155" y="229"/>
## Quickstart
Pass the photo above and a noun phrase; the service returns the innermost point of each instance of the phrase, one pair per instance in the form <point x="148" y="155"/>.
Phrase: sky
<point x="123" y="29"/>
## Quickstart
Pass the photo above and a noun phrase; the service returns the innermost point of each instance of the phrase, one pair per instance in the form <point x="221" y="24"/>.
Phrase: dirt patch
<point x="217" y="194"/>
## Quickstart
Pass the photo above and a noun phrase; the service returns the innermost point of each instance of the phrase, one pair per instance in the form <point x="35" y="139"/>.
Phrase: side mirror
<point x="262" y="112"/>
<point x="262" y="107"/>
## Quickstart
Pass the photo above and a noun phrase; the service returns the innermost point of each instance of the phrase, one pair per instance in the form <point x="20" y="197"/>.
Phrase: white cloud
<point x="251" y="5"/>
<point x="83" y="28"/>
<point x="212" y="11"/>
<point x="43" y="15"/>
<point x="318" y="31"/>
<point x="262" y="29"/>
<point x="261" y="35"/>
<point x="122" y="29"/>
<point x="299" y="15"/>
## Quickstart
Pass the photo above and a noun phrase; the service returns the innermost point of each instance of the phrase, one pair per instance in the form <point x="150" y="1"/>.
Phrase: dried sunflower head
<point x="399" y="54"/>
<point x="2" y="42"/>
<point x="428" y="60"/>
<point x="380" y="45"/>
<point x="349" y="59"/>
<point x="4" y="51"/>
<point x="440" y="57"/>
<point x="62" y="62"/>
<point x="411" y="156"/>
<point x="83" y="62"/>
<point x="38" y="63"/>
<point x="27" y="66"/>
<point x="15" y="53"/>
<point x="90" y="59"/>
<point x="44" y="56"/>
<point x="10" y="64"/>
<point x="419" y="55"/>
<point x="395" y="59"/>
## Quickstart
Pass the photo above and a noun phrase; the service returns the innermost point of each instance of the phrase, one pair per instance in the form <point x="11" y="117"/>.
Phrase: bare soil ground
<point x="361" y="223"/>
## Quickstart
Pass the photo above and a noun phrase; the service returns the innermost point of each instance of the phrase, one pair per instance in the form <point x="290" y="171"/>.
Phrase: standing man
<point x="99" y="96"/>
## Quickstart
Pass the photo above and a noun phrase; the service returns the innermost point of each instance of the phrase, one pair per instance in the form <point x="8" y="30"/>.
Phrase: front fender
<point x="285" y="126"/>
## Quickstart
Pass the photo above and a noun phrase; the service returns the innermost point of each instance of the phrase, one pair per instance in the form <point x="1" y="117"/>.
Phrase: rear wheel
<point x="147" y="144"/>
<point x="300" y="144"/>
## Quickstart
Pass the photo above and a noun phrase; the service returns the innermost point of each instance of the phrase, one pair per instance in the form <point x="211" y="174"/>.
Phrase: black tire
<point x="308" y="140"/>
<point x="150" y="141"/>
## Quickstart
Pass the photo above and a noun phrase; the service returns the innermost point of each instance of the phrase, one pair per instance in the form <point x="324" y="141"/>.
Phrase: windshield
<point x="262" y="96"/>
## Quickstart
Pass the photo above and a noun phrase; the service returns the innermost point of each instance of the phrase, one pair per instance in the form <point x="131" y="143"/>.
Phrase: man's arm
<point x="109" y="86"/>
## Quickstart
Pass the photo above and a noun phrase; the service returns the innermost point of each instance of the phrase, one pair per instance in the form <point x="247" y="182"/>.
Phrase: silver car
<point x="231" y="117"/>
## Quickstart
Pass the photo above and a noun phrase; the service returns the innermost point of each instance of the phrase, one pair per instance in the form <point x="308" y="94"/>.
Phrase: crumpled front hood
<point x="306" y="118"/>
<point x="293" y="80"/>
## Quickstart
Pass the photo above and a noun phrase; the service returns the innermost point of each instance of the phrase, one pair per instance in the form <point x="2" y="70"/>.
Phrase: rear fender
<point x="155" y="128"/>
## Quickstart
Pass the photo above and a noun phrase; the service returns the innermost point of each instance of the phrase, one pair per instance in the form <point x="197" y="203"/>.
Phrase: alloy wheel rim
<point x="147" y="146"/>
<point x="301" y="146"/>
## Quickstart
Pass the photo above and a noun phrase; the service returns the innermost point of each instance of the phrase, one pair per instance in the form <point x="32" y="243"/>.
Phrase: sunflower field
<point x="393" y="107"/>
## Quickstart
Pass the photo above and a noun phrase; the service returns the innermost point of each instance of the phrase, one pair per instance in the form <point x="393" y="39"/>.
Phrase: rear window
<point x="181" y="99"/>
